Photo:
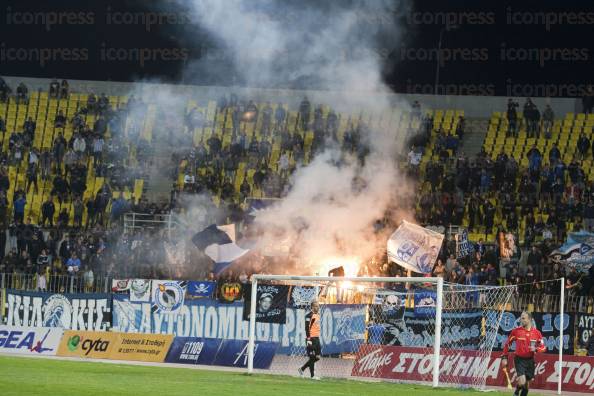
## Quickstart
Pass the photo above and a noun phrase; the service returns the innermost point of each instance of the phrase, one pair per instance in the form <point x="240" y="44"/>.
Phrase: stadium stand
<point x="517" y="193"/>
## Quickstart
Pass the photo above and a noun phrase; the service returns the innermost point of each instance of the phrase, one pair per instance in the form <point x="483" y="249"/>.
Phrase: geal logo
<point x="23" y="340"/>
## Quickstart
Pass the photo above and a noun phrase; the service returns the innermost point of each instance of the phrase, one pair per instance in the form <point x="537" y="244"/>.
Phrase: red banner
<point x="460" y="367"/>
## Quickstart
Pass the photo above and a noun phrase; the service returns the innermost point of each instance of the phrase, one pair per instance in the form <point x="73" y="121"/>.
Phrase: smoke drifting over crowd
<point x="328" y="215"/>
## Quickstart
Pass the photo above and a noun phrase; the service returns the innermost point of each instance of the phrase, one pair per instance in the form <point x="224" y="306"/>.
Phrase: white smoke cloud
<point x="334" y="200"/>
<point x="282" y="44"/>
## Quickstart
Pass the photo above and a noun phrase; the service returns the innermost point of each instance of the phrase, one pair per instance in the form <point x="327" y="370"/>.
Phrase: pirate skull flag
<point x="271" y="303"/>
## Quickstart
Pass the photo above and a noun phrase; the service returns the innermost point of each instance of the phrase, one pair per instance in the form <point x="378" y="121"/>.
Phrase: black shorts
<point x="315" y="349"/>
<point x="524" y="366"/>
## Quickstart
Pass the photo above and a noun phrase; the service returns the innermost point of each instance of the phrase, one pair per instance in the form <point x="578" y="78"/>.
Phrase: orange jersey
<point x="312" y="325"/>
<point x="524" y="338"/>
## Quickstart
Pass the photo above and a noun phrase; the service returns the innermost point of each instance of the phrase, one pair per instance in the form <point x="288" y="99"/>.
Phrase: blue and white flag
<point x="414" y="247"/>
<point x="425" y="303"/>
<point x="463" y="246"/>
<point x="577" y="251"/>
<point x="197" y="289"/>
<point x="218" y="243"/>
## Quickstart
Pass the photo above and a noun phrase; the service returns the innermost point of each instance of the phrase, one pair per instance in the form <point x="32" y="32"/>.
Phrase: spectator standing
<point x="548" y="118"/>
<point x="41" y="282"/>
<point x="19" y="209"/>
<point x="73" y="264"/>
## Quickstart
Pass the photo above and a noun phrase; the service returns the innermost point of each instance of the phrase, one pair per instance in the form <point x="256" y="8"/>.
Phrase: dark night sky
<point x="554" y="59"/>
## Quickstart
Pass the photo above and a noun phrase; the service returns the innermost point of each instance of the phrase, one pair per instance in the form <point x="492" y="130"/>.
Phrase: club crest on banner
<point x="230" y="292"/>
<point x="168" y="296"/>
<point x="57" y="312"/>
<point x="140" y="290"/>
<point x="120" y="285"/>
<point x="303" y="295"/>
<point x="345" y="331"/>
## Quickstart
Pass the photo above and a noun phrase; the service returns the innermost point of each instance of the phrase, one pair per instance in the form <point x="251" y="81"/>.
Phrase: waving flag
<point x="218" y="243"/>
<point x="577" y="251"/>
<point x="414" y="247"/>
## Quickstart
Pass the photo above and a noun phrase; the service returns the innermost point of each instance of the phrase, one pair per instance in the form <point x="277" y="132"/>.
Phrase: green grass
<point x="31" y="376"/>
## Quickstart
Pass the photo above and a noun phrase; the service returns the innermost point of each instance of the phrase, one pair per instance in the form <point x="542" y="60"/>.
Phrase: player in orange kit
<point x="312" y="332"/>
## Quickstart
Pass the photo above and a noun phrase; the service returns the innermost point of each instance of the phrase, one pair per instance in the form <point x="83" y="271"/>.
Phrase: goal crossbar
<point x="435" y="280"/>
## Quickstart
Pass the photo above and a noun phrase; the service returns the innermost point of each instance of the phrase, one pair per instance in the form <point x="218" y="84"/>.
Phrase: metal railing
<point x="102" y="284"/>
<point x="136" y="221"/>
<point x="56" y="283"/>
<point x="550" y="303"/>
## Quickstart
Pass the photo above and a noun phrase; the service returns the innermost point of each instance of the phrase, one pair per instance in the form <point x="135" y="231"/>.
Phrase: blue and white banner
<point x="425" y="303"/>
<point x="343" y="326"/>
<point x="191" y="350"/>
<point x="198" y="289"/>
<point x="30" y="340"/>
<point x="460" y="330"/>
<point x="218" y="352"/>
<point x="414" y="247"/>
<point x="577" y="251"/>
<point x="549" y="324"/>
<point x="91" y="312"/>
<point x="234" y="353"/>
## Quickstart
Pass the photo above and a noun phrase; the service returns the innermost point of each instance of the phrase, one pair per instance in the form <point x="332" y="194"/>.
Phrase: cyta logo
<point x="73" y="343"/>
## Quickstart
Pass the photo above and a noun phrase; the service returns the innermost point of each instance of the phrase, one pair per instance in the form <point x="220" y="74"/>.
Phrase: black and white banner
<point x="91" y="312"/>
<point x="271" y="303"/>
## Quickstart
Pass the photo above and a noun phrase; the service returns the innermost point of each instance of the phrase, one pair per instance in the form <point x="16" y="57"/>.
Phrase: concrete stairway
<point x="476" y="130"/>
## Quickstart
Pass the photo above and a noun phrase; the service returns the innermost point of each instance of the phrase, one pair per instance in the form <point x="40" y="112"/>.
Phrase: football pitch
<point x="48" y="377"/>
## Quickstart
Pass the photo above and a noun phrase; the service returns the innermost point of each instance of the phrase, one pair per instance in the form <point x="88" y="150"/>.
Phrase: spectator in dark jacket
<point x="47" y="212"/>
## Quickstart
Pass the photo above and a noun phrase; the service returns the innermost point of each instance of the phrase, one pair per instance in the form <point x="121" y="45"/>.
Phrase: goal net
<point x="396" y="329"/>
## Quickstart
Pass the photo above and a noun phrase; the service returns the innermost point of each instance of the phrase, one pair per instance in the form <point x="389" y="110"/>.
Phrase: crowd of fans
<point x="71" y="232"/>
<point x="495" y="197"/>
<point x="499" y="198"/>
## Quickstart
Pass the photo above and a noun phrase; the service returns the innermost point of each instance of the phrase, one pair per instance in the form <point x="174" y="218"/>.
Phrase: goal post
<point x="417" y="329"/>
<point x="438" y="281"/>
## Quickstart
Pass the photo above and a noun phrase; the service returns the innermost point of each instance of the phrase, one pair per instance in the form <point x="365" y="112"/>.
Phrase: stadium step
<point x="474" y="136"/>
